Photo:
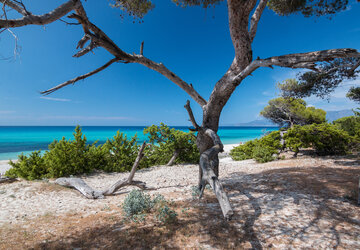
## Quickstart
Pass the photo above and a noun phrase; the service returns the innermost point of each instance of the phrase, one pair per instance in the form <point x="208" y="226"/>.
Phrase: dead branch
<point x="91" y="193"/>
<point x="173" y="158"/>
<point x="142" y="48"/>
<point x="30" y="19"/>
<point x="191" y="115"/>
<point x="6" y="179"/>
<point x="72" y="81"/>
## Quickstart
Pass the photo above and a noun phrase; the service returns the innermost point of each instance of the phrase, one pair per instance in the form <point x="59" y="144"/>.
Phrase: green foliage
<point x="350" y="124"/>
<point x="262" y="150"/>
<point x="325" y="139"/>
<point x="291" y="111"/>
<point x="166" y="141"/>
<point x="72" y="157"/>
<point x="134" y="8"/>
<point x="166" y="215"/>
<point x="354" y="94"/>
<point x="202" y="3"/>
<point x="69" y="157"/>
<point x="308" y="7"/>
<point x="137" y="204"/>
<point x="263" y="154"/>
<point x="120" y="153"/>
<point x="30" y="167"/>
<point x="243" y="152"/>
<point x="322" y="82"/>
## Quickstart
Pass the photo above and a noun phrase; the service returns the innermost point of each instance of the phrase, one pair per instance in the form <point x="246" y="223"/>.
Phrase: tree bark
<point x="209" y="164"/>
<point x="209" y="145"/>
<point x="91" y="193"/>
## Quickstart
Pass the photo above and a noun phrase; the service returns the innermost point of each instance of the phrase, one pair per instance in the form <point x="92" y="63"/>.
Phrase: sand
<point x="296" y="203"/>
<point x="4" y="166"/>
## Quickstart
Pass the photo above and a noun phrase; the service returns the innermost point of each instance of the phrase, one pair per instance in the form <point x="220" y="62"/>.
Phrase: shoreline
<point x="4" y="164"/>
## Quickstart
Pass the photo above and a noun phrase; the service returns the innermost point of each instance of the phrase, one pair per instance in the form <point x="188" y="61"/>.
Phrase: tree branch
<point x="191" y="115"/>
<point x="72" y="81"/>
<point x="47" y="18"/>
<point x="298" y="60"/>
<point x="256" y="18"/>
<point x="15" y="6"/>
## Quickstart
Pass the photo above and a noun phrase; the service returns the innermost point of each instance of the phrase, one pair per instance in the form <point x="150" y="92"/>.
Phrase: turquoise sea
<point x="24" y="139"/>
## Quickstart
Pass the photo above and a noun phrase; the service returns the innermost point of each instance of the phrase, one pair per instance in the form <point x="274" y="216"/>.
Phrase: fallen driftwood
<point x="91" y="193"/>
<point x="7" y="179"/>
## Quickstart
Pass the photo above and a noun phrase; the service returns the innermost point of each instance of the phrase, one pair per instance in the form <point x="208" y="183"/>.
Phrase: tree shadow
<point x="259" y="201"/>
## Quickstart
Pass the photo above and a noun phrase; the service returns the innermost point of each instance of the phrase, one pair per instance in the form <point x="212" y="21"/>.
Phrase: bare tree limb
<point x="352" y="70"/>
<point x="72" y="81"/>
<point x="47" y="18"/>
<point x="191" y="115"/>
<point x="142" y="48"/>
<point x="298" y="60"/>
<point x="15" y="6"/>
<point x="256" y="18"/>
<point x="160" y="68"/>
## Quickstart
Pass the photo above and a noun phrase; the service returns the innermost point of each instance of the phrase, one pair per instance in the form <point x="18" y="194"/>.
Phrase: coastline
<point x="4" y="164"/>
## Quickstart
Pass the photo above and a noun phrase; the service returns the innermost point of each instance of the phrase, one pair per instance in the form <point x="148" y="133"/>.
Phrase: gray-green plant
<point x="137" y="205"/>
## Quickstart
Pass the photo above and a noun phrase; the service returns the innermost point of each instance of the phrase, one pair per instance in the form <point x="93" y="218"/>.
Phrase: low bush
<point x="166" y="141"/>
<point x="30" y="167"/>
<point x="137" y="202"/>
<point x="137" y="205"/>
<point x="262" y="150"/>
<point x="69" y="157"/>
<point x="264" y="154"/>
<point x="325" y="139"/>
<point x="118" y="154"/>
<point x="64" y="158"/>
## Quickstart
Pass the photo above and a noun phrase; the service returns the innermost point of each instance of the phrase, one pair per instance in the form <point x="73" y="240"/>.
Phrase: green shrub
<point x="264" y="154"/>
<point x="166" y="215"/>
<point x="325" y="139"/>
<point x="243" y="152"/>
<point x="166" y="141"/>
<point x="120" y="153"/>
<point x="30" y="167"/>
<point x="69" y="157"/>
<point x="351" y="125"/>
<point x="262" y="150"/>
<point x="75" y="156"/>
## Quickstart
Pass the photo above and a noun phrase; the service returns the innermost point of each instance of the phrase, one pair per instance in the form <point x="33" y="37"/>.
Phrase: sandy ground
<point x="4" y="166"/>
<point x="308" y="202"/>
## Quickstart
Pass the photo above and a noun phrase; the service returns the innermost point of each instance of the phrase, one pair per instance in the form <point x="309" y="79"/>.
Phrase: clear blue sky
<point x="192" y="42"/>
